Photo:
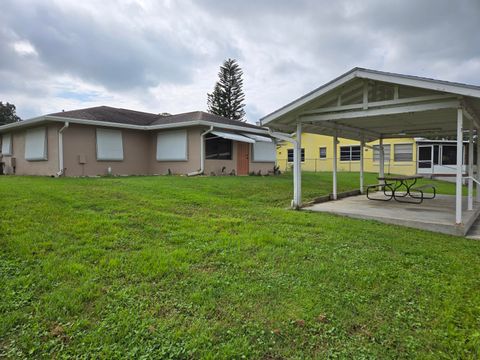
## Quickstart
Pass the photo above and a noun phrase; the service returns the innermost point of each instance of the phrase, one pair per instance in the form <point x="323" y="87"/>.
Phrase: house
<point x="403" y="156"/>
<point x="105" y="140"/>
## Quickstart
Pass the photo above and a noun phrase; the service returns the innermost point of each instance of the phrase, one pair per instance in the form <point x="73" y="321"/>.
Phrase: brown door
<point x="242" y="158"/>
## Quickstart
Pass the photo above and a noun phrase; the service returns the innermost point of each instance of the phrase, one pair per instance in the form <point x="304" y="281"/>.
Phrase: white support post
<point x="470" y="167"/>
<point x="381" y="169"/>
<point x="362" y="145"/>
<point x="478" y="166"/>
<point x="335" y="143"/>
<point x="297" y="169"/>
<point x="365" y="94"/>
<point x="458" y="191"/>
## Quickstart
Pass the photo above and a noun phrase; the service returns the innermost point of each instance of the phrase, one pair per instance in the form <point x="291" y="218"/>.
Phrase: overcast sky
<point x="163" y="56"/>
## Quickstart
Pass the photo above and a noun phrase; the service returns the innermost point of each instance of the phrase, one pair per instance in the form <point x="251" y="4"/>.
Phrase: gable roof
<point x="389" y="77"/>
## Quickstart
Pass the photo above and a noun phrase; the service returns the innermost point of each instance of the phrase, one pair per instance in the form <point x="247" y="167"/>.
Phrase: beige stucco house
<point x="105" y="140"/>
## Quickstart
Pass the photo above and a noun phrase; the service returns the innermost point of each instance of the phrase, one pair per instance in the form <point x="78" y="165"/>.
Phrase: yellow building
<point x="317" y="155"/>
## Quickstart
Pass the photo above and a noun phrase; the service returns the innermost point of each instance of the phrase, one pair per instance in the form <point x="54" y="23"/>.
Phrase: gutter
<point x="202" y="153"/>
<point x="129" y="126"/>
<point x="61" y="169"/>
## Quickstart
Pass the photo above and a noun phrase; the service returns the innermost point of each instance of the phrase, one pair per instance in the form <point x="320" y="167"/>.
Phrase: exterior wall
<point x="47" y="167"/>
<point x="177" y="167"/>
<point x="80" y="140"/>
<point x="139" y="149"/>
<point x="312" y="143"/>
<point x="215" y="166"/>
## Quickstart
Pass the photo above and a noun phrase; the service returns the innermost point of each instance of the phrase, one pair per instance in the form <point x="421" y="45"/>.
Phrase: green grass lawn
<point x="216" y="267"/>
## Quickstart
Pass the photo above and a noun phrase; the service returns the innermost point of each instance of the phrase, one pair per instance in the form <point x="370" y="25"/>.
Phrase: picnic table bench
<point x="401" y="189"/>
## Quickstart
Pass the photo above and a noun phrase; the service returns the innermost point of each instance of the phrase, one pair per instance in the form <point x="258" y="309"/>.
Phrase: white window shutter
<point x="109" y="144"/>
<point x="36" y="144"/>
<point x="264" y="152"/>
<point x="172" y="146"/>
<point x="7" y="144"/>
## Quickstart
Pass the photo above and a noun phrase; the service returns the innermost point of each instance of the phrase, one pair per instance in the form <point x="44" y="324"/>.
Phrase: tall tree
<point x="8" y="113"/>
<point x="227" y="98"/>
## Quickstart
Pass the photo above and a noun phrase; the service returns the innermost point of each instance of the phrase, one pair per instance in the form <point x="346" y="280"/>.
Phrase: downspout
<point x="202" y="153"/>
<point x="60" y="149"/>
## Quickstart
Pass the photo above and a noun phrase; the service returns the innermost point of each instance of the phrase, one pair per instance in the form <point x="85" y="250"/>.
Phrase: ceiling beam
<point x="375" y="104"/>
<point x="450" y="104"/>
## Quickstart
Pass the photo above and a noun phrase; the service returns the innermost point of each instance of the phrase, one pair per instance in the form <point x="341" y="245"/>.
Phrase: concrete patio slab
<point x="436" y="215"/>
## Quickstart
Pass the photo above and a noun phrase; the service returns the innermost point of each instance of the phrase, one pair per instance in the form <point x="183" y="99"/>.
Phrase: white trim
<point x="430" y="84"/>
<point x="40" y="119"/>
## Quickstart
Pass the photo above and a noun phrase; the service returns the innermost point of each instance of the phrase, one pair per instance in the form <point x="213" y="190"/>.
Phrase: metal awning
<point x="233" y="136"/>
<point x="258" y="138"/>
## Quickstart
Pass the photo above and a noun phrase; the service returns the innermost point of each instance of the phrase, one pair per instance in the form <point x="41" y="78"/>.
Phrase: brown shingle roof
<point x="110" y="114"/>
<point x="132" y="117"/>
<point x="200" y="116"/>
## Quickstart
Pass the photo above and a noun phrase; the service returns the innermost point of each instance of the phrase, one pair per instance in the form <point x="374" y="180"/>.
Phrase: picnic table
<point x="401" y="188"/>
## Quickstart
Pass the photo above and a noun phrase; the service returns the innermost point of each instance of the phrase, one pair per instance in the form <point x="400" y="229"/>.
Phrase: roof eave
<point x="40" y="119"/>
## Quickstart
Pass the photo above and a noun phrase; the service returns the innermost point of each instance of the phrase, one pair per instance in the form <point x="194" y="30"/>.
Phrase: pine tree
<point x="227" y="97"/>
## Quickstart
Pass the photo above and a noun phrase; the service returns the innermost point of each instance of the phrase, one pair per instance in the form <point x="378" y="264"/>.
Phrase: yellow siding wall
<point x="312" y="143"/>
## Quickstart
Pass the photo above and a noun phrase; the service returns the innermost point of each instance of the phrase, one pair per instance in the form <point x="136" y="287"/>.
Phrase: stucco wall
<point x="177" y="167"/>
<point x="40" y="167"/>
<point x="312" y="143"/>
<point x="80" y="140"/>
<point x="139" y="148"/>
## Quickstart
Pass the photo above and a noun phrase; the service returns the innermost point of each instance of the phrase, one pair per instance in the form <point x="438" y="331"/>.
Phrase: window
<point x="217" y="148"/>
<point x="264" y="151"/>
<point x="449" y="155"/>
<point x="376" y="153"/>
<point x="403" y="152"/>
<point x="290" y="155"/>
<point x="36" y="144"/>
<point x="323" y="153"/>
<point x="7" y="144"/>
<point x="172" y="146"/>
<point x="349" y="153"/>
<point x="109" y="145"/>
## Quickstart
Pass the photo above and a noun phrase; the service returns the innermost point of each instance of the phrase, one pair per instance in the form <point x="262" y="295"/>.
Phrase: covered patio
<point x="367" y="105"/>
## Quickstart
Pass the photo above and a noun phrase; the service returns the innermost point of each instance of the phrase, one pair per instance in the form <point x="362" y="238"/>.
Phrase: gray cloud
<point x="164" y="55"/>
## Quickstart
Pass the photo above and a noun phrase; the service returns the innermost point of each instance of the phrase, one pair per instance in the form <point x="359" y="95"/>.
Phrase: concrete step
<point x="474" y="232"/>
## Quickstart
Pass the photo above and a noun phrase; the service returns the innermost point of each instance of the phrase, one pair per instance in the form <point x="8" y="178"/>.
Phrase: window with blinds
<point x="376" y="153"/>
<point x="403" y="152"/>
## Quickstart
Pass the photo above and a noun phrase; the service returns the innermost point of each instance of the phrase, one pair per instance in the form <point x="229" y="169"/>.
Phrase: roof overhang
<point x="44" y="119"/>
